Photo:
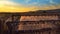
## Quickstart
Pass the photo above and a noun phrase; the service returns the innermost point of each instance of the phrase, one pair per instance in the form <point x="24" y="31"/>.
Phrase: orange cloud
<point x="8" y="6"/>
<point x="25" y="9"/>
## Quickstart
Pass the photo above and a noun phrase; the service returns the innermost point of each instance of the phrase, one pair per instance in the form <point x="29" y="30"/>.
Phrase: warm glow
<point x="8" y="6"/>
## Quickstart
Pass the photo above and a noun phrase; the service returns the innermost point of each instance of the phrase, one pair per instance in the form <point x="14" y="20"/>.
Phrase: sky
<point x="28" y="5"/>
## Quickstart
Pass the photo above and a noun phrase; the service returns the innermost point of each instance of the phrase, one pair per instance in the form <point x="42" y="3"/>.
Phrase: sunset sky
<point x="28" y="5"/>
